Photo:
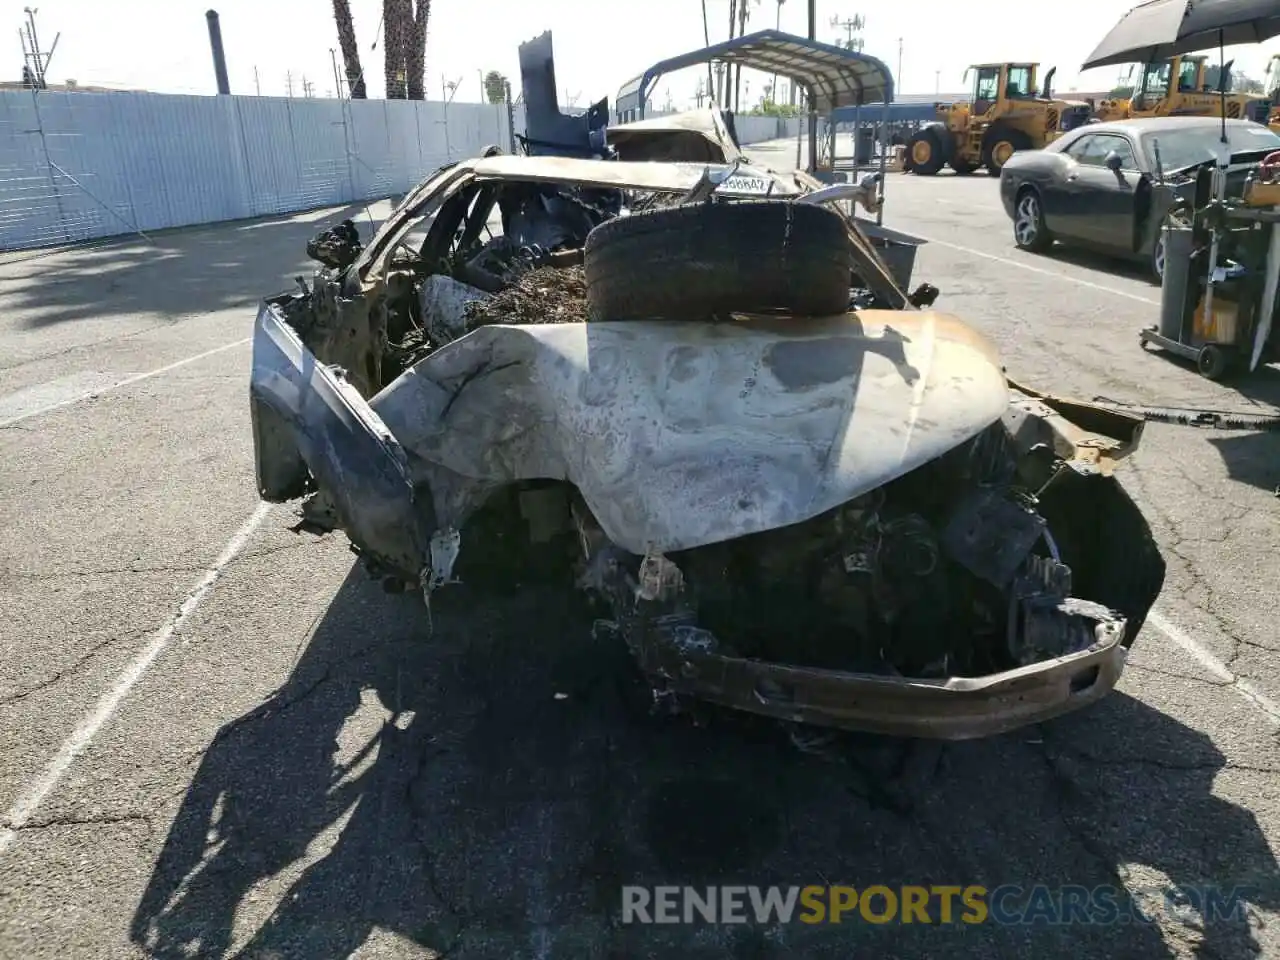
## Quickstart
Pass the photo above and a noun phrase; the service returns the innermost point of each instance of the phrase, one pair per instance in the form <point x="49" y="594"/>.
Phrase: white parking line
<point x="1042" y="271"/>
<point x="32" y="403"/>
<point x="19" y="815"/>
<point x="1246" y="690"/>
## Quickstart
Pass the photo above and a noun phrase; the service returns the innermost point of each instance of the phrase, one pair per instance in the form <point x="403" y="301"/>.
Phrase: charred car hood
<point x="680" y="435"/>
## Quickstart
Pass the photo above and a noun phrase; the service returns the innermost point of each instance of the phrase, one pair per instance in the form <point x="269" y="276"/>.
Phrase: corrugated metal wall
<point x="78" y="166"/>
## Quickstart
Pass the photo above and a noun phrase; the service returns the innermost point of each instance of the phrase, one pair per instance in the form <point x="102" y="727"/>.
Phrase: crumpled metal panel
<point x="358" y="464"/>
<point x="680" y="435"/>
<point x="1088" y="437"/>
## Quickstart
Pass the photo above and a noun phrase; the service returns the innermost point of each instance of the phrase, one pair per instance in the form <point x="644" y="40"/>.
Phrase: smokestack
<point x="219" y="59"/>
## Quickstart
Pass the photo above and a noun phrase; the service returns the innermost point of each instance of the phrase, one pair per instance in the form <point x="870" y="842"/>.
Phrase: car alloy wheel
<point x="1026" y="220"/>
<point x="1157" y="258"/>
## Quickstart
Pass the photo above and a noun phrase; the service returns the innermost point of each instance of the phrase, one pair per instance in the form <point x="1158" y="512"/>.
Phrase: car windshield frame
<point x="1189" y="147"/>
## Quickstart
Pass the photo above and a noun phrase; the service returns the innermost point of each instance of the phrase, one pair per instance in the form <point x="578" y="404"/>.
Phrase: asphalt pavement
<point x="218" y="738"/>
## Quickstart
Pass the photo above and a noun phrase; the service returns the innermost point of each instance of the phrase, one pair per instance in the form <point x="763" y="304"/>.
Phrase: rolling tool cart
<point x="1222" y="261"/>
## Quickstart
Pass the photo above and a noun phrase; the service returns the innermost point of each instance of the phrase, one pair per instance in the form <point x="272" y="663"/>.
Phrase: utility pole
<point x="34" y="60"/>
<point x="724" y="92"/>
<point x="706" y="42"/>
<point x="511" y="116"/>
<point x="937" y="82"/>
<point x="219" y="56"/>
<point x="257" y="87"/>
<point x="288" y="82"/>
<point x="851" y="25"/>
<point x="337" y="77"/>
<point x="813" y="115"/>
<point x="777" y="25"/>
<point x="743" y="13"/>
<point x="897" y="80"/>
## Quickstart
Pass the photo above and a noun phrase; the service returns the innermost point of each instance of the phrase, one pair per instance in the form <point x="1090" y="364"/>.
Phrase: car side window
<point x="1078" y="149"/>
<point x="1121" y="146"/>
<point x="1093" y="151"/>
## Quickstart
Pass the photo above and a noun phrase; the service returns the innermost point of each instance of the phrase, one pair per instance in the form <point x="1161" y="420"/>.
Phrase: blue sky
<point x="162" y="45"/>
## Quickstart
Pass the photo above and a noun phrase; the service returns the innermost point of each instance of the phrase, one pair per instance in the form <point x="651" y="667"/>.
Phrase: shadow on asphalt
<point x="1254" y="392"/>
<point x="1103" y="263"/>
<point x="1252" y="458"/>
<point x="180" y="272"/>
<point x="513" y="782"/>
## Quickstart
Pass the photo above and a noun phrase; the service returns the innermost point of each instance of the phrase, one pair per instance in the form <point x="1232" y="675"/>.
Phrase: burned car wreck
<point x="696" y="392"/>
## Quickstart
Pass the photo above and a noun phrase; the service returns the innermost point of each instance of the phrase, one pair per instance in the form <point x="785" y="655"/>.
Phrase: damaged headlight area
<point x="948" y="571"/>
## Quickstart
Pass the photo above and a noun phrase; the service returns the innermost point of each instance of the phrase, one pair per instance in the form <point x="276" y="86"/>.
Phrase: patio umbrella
<point x="1160" y="29"/>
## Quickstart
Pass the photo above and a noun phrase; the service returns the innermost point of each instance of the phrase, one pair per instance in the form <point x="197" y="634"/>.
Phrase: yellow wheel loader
<point x="1007" y="113"/>
<point x="1183" y="86"/>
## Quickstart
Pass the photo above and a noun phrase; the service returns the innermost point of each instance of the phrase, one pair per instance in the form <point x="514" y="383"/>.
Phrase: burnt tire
<point x="704" y="260"/>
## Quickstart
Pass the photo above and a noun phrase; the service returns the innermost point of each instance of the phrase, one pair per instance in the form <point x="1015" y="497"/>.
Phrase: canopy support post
<point x="884" y="153"/>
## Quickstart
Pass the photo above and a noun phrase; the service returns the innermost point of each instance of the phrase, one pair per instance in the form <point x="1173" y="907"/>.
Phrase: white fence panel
<point x="78" y="166"/>
<point x="28" y="194"/>
<point x="321" y="153"/>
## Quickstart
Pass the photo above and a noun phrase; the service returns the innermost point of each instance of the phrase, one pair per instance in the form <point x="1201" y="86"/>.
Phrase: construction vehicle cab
<point x="1183" y="86"/>
<point x="1006" y="112"/>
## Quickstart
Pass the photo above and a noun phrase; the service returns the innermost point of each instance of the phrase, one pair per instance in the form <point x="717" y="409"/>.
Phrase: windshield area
<point x="1185" y="148"/>
<point x="1155" y="79"/>
<point x="987" y="84"/>
<point x="1020" y="83"/>
<point x="1211" y="77"/>
<point x="1188" y="74"/>
<point x="1273" y="77"/>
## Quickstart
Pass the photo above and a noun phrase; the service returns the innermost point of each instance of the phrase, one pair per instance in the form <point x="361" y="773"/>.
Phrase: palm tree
<point x="495" y="87"/>
<point x="395" y="66"/>
<point x="405" y="48"/>
<point x="350" y="52"/>
<point x="417" y="53"/>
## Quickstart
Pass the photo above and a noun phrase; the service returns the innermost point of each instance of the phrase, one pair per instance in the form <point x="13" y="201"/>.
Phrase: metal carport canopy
<point x="833" y="76"/>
